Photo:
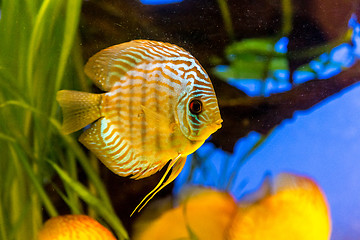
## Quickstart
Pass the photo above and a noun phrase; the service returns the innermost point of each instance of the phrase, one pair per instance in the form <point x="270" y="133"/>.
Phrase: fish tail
<point x="79" y="109"/>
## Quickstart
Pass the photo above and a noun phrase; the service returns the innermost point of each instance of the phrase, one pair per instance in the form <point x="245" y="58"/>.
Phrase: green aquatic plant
<point x="253" y="59"/>
<point x="39" y="54"/>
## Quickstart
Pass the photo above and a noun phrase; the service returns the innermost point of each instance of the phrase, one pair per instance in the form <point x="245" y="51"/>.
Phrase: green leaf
<point x="279" y="63"/>
<point x="253" y="45"/>
<point x="90" y="199"/>
<point x="253" y="59"/>
<point x="37" y="54"/>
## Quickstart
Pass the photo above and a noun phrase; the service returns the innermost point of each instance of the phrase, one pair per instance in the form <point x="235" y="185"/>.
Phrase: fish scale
<point x="145" y="119"/>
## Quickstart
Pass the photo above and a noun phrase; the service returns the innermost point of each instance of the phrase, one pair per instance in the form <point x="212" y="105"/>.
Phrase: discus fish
<point x="202" y="213"/>
<point x="291" y="207"/>
<point x="294" y="207"/>
<point x="159" y="106"/>
<point x="74" y="227"/>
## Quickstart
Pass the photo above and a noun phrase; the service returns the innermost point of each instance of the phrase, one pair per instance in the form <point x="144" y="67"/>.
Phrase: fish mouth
<point x="212" y="127"/>
<point x="218" y="124"/>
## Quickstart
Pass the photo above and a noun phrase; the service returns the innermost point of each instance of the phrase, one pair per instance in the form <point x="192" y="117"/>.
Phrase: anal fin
<point x="103" y="139"/>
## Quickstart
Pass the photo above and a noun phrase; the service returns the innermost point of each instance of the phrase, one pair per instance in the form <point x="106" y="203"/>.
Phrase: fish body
<point x="159" y="106"/>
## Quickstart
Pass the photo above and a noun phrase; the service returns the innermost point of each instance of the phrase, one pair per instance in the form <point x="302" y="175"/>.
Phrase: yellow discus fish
<point x="293" y="208"/>
<point x="159" y="106"/>
<point x="203" y="214"/>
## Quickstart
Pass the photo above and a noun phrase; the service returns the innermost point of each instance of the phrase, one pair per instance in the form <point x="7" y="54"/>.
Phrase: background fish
<point x="203" y="213"/>
<point x="293" y="207"/>
<point x="74" y="227"/>
<point x="159" y="105"/>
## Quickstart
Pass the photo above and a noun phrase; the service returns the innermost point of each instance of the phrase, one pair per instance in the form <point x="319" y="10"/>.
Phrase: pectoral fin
<point x="156" y="120"/>
<point x="176" y="165"/>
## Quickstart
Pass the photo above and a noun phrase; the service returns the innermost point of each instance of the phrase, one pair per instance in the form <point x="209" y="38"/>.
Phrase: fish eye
<point x="195" y="106"/>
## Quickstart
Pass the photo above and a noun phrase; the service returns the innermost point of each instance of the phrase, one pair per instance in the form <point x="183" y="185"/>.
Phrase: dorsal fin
<point x="286" y="181"/>
<point x="263" y="191"/>
<point x="109" y="65"/>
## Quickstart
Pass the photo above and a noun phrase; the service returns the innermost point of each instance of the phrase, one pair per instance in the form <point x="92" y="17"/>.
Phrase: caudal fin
<point x="79" y="109"/>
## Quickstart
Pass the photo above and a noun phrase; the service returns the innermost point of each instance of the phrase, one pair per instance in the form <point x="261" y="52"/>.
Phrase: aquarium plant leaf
<point x="84" y="193"/>
<point x="252" y="59"/>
